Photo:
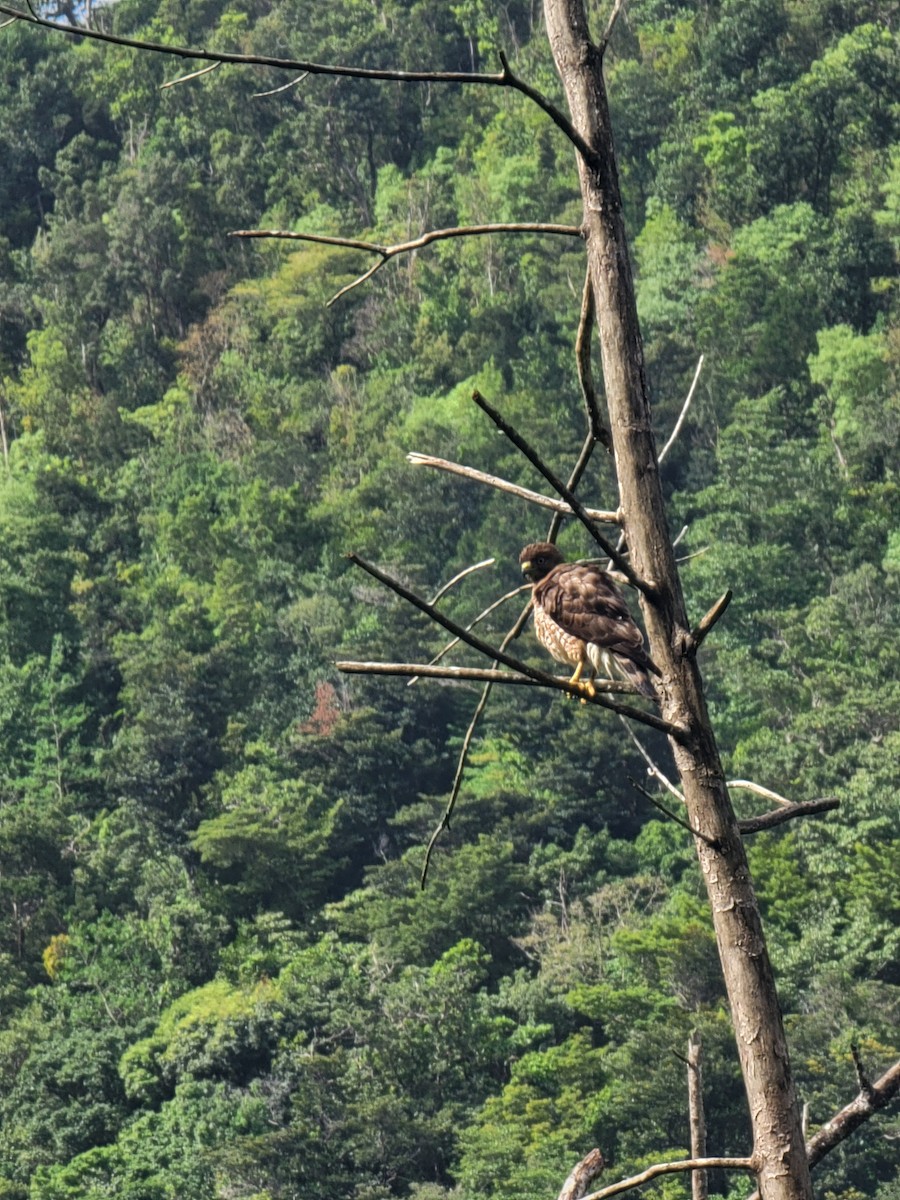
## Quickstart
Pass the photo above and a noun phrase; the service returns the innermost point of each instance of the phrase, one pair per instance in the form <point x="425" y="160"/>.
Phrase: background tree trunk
<point x="778" y="1147"/>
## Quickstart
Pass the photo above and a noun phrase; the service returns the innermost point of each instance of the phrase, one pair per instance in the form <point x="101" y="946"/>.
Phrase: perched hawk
<point x="580" y="616"/>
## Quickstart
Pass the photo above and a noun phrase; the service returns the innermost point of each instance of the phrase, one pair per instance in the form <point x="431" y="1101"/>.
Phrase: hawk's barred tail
<point x="639" y="677"/>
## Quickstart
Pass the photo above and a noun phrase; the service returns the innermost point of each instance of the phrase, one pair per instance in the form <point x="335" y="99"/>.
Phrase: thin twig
<point x="193" y="75"/>
<point x="503" y="485"/>
<point x="778" y="816"/>
<point x="610" y="25"/>
<point x="513" y="663"/>
<point x="583" y="364"/>
<point x="669" y="1168"/>
<point x="386" y="253"/>
<point x="560" y="488"/>
<point x="746" y="785"/>
<point x="672" y="817"/>
<point x="442" y="591"/>
<point x="483" y="615"/>
<point x="684" y="411"/>
<point x="284" y="87"/>
<point x="578" y="470"/>
<point x="652" y="768"/>
<point x="461" y="762"/>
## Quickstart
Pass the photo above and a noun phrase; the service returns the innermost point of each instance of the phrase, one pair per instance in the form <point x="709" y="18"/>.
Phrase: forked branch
<point x="670" y="1168"/>
<point x="504" y="78"/>
<point x="386" y="253"/>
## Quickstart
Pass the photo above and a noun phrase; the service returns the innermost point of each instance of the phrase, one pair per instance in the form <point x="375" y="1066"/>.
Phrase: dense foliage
<point x="219" y="976"/>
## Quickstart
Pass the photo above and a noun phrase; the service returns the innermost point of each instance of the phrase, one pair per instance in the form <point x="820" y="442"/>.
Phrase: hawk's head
<point x="538" y="559"/>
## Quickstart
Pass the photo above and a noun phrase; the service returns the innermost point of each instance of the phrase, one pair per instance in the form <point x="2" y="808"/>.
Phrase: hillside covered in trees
<point x="219" y="976"/>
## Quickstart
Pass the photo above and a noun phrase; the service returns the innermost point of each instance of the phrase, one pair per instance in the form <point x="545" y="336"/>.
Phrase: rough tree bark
<point x="696" y="1114"/>
<point x="778" y="1149"/>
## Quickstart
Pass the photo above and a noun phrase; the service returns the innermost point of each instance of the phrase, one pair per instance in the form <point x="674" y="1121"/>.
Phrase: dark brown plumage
<point x="581" y="617"/>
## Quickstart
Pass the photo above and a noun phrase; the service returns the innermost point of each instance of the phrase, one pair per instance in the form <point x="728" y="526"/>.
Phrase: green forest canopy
<point x="219" y="975"/>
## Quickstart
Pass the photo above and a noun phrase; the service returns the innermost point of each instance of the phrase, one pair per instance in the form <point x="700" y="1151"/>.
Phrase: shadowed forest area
<point x="219" y="976"/>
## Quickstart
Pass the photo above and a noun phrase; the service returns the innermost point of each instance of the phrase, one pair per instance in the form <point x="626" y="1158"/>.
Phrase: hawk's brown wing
<point x="586" y="603"/>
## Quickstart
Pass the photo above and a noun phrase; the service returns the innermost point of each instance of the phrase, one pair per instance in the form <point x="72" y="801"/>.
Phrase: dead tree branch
<point x="566" y="493"/>
<point x="697" y="1114"/>
<point x="582" y="1176"/>
<point x="670" y="815"/>
<point x="386" y="253"/>
<point x="483" y="615"/>
<point x="747" y="785"/>
<point x="444" y="822"/>
<point x="504" y="78"/>
<point x="445" y="588"/>
<point x="778" y="816"/>
<point x="503" y="485"/>
<point x="870" y="1100"/>
<point x="673" y="436"/>
<point x="857" y="1112"/>
<point x="652" y="769"/>
<point x="610" y="25"/>
<point x="186" y="78"/>
<point x="669" y="1168"/>
<point x="706" y="623"/>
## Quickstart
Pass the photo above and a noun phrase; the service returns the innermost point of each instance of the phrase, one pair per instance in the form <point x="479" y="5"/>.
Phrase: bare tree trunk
<point x="699" y="1179"/>
<point x="778" y="1148"/>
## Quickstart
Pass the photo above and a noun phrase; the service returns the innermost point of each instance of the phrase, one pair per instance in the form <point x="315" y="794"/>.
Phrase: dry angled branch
<point x="669" y="1168"/>
<point x="386" y="253"/>
<point x="444" y="822"/>
<point x="503" y="485"/>
<point x="652" y="769"/>
<point x="673" y="436"/>
<point x="706" y="623"/>
<point x="869" y="1101"/>
<point x="566" y="493"/>
<point x="486" y="612"/>
<point x="504" y="78"/>
<point x="582" y="1176"/>
<point x="778" y="816"/>
<point x="747" y="785"/>
<point x="445" y="588"/>
<point x="670" y="815"/>
<point x="514" y="664"/>
<point x="193" y="75"/>
<point x="610" y="25"/>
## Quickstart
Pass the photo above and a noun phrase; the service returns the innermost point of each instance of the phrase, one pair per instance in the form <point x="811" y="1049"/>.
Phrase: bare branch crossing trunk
<point x="778" y="1149"/>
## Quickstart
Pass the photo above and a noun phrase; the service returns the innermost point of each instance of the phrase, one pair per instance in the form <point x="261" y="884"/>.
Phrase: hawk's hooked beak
<point x="527" y="569"/>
